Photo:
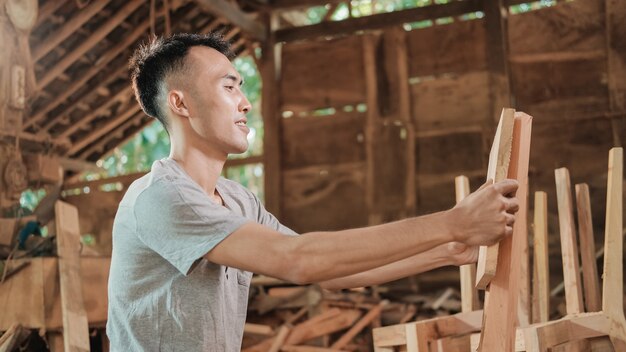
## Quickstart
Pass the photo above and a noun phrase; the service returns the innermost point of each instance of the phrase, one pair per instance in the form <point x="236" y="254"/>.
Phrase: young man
<point x="186" y="241"/>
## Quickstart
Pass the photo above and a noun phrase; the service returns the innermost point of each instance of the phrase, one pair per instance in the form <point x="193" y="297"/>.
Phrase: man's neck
<point x="203" y="167"/>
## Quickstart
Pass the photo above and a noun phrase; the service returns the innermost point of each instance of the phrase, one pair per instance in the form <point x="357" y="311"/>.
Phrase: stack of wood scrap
<point x="308" y="318"/>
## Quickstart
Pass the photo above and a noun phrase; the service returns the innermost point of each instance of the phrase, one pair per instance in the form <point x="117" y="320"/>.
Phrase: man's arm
<point x="453" y="253"/>
<point x="483" y="218"/>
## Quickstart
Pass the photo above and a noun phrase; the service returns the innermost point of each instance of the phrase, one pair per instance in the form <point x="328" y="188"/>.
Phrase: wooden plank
<point x="322" y="74"/>
<point x="360" y="325"/>
<point x="612" y="283"/>
<point x="269" y="68"/>
<point x="541" y="279"/>
<point x="575" y="26"/>
<point x="376" y="21"/>
<point x="498" y="170"/>
<point x="19" y="307"/>
<point x="53" y="72"/>
<point x="75" y="326"/>
<point x="233" y="14"/>
<point x="458" y="48"/>
<point x="457" y="101"/>
<point x="302" y="146"/>
<point x="591" y="282"/>
<point x="320" y="327"/>
<point x="469" y="294"/>
<point x="501" y="304"/>
<point x="70" y="27"/>
<point x="279" y="340"/>
<point x="569" y="247"/>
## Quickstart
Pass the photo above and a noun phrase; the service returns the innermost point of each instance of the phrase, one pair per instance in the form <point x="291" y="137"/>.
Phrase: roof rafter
<point x="378" y="21"/>
<point x="234" y="15"/>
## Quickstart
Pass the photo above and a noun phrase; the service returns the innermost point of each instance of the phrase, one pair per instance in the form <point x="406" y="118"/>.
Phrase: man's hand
<point x="485" y="216"/>
<point x="461" y="254"/>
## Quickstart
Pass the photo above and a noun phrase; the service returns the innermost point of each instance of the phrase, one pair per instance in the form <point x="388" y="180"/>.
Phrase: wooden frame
<point x="610" y="321"/>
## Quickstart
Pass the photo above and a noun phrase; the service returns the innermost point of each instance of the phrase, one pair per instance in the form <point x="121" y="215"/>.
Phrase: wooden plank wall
<point x="559" y="72"/>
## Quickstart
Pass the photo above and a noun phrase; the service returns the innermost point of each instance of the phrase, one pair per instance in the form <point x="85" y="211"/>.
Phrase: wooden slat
<point x="75" y="329"/>
<point x="47" y="9"/>
<point x="541" y="277"/>
<point x="102" y="130"/>
<point x="124" y="94"/>
<point x="377" y="21"/>
<point x="231" y="12"/>
<point x="469" y="294"/>
<point x="591" y="282"/>
<point x="501" y="303"/>
<point x="324" y="325"/>
<point x="69" y="28"/>
<point x="499" y="159"/>
<point x="612" y="283"/>
<point x="360" y="325"/>
<point x="98" y="35"/>
<point x="135" y="123"/>
<point x="569" y="246"/>
<point x="269" y="69"/>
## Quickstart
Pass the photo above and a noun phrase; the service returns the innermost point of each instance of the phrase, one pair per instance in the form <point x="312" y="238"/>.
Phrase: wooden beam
<point x="360" y="325"/>
<point x="47" y="10"/>
<point x="102" y="130"/>
<point x="98" y="67"/>
<point x="63" y="115"/>
<point x="75" y="326"/>
<point x="469" y="294"/>
<point x="591" y="282"/>
<point x="612" y="283"/>
<point x="500" y="317"/>
<point x="569" y="246"/>
<point x="269" y="68"/>
<point x="233" y="14"/>
<point x="390" y="19"/>
<point x="279" y="5"/>
<point x="99" y="34"/>
<point x="124" y="93"/>
<point x="541" y="272"/>
<point x="70" y="27"/>
<point x="499" y="160"/>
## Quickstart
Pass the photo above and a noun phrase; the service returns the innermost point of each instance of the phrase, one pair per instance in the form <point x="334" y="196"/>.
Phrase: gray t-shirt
<point x="163" y="296"/>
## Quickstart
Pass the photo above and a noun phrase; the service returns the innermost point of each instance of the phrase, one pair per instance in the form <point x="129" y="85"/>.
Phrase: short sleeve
<point x="180" y="222"/>
<point x="266" y="218"/>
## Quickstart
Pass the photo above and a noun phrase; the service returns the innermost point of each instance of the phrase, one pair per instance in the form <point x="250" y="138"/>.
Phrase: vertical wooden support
<point x="499" y="159"/>
<point x="371" y="124"/>
<point x="469" y="294"/>
<point x="569" y="247"/>
<point x="541" y="267"/>
<point x="501" y="304"/>
<point x="613" y="284"/>
<point x="270" y="71"/>
<point x="591" y="282"/>
<point x="75" y="326"/>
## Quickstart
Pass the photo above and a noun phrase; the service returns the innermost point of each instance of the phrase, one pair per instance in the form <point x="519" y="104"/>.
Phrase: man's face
<point x="216" y="104"/>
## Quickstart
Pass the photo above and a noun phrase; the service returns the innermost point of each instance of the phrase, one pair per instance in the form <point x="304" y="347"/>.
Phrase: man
<point x="186" y="241"/>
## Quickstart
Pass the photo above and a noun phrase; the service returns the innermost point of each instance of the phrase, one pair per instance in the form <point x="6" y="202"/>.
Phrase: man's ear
<point x="177" y="104"/>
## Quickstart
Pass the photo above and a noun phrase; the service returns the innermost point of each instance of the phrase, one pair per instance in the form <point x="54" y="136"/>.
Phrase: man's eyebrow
<point x="233" y="78"/>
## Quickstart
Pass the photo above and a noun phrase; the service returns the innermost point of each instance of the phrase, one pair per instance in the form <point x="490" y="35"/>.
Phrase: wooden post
<point x="591" y="282"/>
<point x="569" y="247"/>
<point x="501" y="303"/>
<point x="270" y="72"/>
<point x="75" y="326"/>
<point x="613" y="284"/>
<point x="499" y="159"/>
<point x="541" y="271"/>
<point x="469" y="294"/>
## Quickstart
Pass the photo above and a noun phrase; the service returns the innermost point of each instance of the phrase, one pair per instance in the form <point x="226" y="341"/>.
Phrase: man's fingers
<point x="506" y="187"/>
<point x="508" y="231"/>
<point x="510" y="219"/>
<point x="512" y="205"/>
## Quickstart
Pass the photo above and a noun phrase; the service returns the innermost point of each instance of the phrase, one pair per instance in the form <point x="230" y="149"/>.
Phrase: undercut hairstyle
<point x="154" y="61"/>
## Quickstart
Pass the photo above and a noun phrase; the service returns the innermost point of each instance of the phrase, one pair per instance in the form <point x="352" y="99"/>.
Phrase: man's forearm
<point x="419" y="263"/>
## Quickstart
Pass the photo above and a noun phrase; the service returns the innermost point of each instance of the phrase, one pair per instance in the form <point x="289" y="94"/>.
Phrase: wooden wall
<point x="429" y="105"/>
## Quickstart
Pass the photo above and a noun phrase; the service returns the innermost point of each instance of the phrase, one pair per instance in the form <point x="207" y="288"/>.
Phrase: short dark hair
<point x="153" y="61"/>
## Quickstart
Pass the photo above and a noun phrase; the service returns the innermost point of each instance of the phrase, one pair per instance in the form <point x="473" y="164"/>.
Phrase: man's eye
<point x="230" y="87"/>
